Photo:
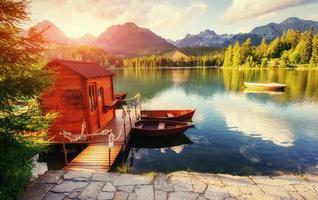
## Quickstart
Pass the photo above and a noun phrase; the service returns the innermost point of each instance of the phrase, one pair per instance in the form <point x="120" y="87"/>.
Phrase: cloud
<point x="158" y="15"/>
<point x="246" y="9"/>
<point x="313" y="17"/>
<point x="267" y="124"/>
<point x="152" y="14"/>
<point x="169" y="17"/>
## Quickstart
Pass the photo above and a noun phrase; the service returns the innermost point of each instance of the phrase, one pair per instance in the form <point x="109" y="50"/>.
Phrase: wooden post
<point x="109" y="151"/>
<point x="65" y="154"/>
<point x="125" y="132"/>
<point x="135" y="104"/>
<point x="124" y="124"/>
<point x="140" y="105"/>
<point x="129" y="117"/>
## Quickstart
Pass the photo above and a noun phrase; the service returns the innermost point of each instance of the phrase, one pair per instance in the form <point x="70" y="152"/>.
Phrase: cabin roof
<point x="85" y="69"/>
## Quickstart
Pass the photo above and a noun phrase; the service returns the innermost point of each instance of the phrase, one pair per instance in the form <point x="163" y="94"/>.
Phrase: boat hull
<point x="265" y="86"/>
<point x="178" y="115"/>
<point x="150" y="128"/>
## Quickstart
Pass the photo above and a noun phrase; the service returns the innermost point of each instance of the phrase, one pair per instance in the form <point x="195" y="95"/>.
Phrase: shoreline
<point x="62" y="184"/>
<point x="218" y="67"/>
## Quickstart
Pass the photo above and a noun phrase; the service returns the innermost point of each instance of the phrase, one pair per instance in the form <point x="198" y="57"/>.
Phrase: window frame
<point x="92" y="97"/>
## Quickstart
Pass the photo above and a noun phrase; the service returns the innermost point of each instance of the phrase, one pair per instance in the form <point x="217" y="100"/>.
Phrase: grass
<point x="152" y="174"/>
<point x="123" y="168"/>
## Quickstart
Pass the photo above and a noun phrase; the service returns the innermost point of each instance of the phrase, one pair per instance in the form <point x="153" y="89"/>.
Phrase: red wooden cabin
<point x="82" y="93"/>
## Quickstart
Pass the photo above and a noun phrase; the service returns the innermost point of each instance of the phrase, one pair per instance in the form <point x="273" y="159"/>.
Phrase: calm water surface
<point x="236" y="131"/>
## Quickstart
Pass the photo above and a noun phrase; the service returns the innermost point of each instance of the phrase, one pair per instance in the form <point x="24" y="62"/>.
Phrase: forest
<point x="197" y="57"/>
<point x="83" y="53"/>
<point x="292" y="49"/>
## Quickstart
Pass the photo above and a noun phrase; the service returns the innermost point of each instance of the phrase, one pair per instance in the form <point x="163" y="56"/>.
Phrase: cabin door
<point x="93" y="107"/>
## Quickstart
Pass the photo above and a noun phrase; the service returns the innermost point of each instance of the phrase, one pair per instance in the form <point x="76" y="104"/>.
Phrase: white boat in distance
<point x="265" y="86"/>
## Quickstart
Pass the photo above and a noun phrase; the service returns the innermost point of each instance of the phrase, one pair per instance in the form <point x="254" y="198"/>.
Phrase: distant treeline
<point x="85" y="54"/>
<point x="292" y="49"/>
<point x="202" y="56"/>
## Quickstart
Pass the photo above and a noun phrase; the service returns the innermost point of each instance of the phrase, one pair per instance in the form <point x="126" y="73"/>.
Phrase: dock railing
<point x="130" y="114"/>
<point x="132" y="105"/>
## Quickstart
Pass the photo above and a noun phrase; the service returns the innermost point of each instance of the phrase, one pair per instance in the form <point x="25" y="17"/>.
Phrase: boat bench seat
<point x="161" y="125"/>
<point x="170" y="115"/>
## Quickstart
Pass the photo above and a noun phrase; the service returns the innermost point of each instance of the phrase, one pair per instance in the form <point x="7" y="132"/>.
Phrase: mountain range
<point x="121" y="40"/>
<point x="269" y="32"/>
<point x="272" y="30"/>
<point x="206" y="38"/>
<point x="131" y="40"/>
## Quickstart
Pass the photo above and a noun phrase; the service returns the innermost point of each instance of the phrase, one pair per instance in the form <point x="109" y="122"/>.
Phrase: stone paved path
<point x="66" y="185"/>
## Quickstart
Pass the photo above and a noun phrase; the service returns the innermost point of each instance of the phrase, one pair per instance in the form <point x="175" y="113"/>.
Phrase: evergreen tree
<point x="261" y="50"/>
<point x="294" y="57"/>
<point x="21" y="78"/>
<point x="314" y="57"/>
<point x="246" y="49"/>
<point x="291" y="39"/>
<point x="228" y="57"/>
<point x="274" y="48"/>
<point x="304" y="47"/>
<point x="284" y="43"/>
<point x="237" y="59"/>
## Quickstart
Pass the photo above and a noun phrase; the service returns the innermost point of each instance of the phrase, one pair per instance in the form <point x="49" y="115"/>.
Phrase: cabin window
<point x="100" y="94"/>
<point x="92" y="98"/>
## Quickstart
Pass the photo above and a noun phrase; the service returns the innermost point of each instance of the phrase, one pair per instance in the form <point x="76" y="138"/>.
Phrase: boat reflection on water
<point x="139" y="146"/>
<point x="143" y="142"/>
<point x="270" y="92"/>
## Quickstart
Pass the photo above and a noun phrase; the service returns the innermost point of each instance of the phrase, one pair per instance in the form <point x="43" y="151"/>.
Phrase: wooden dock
<point x="97" y="157"/>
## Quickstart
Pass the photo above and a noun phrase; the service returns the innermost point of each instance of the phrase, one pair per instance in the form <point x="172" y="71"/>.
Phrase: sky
<point x="171" y="19"/>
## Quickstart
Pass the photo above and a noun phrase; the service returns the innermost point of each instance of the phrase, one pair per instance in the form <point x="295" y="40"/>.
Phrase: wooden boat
<point x="265" y="86"/>
<point x="120" y="95"/>
<point x="174" y="115"/>
<point x="160" y="127"/>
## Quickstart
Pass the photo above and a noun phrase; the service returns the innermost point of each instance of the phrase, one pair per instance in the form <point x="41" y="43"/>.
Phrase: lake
<point x="236" y="131"/>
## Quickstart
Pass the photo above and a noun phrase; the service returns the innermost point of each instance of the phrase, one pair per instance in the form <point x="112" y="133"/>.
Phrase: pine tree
<point x="285" y="44"/>
<point x="246" y="49"/>
<point x="304" y="47"/>
<point x="22" y="77"/>
<point x="314" y="57"/>
<point x="261" y="50"/>
<point x="274" y="48"/>
<point x="292" y="38"/>
<point x="237" y="59"/>
<point x="228" y="57"/>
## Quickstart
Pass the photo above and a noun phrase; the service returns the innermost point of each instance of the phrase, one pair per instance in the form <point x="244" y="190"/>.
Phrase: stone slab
<point x="144" y="192"/>
<point x="216" y="193"/>
<point x="77" y="176"/>
<point x="91" y="191"/>
<point x="183" y="196"/>
<point x="69" y="186"/>
<point x="105" y="195"/>
<point x="129" y="179"/>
